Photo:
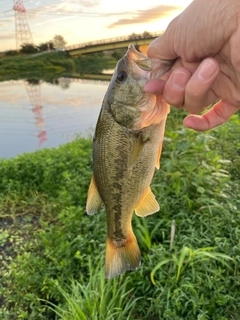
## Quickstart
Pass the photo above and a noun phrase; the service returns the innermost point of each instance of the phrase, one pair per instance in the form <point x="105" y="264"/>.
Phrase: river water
<point x="44" y="115"/>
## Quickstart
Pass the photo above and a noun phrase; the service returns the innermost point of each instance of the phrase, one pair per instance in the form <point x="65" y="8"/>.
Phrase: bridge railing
<point x="114" y="40"/>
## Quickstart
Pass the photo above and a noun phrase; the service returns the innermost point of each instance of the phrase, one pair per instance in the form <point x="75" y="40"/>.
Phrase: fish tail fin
<point x="121" y="256"/>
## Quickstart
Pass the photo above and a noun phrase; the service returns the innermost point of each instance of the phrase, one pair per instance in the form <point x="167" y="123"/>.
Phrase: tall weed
<point x="96" y="298"/>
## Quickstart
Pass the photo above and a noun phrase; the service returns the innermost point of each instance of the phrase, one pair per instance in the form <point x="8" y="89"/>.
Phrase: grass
<point x="52" y="253"/>
<point x="96" y="299"/>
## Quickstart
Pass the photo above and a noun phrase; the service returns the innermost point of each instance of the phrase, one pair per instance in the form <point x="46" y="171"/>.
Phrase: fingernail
<point x="179" y="80"/>
<point x="206" y="70"/>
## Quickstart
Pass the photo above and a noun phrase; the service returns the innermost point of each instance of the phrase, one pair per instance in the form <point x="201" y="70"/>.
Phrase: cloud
<point x="53" y="20"/>
<point x="7" y="36"/>
<point x="145" y="16"/>
<point x="65" y="7"/>
<point x="84" y="3"/>
<point x="6" y="21"/>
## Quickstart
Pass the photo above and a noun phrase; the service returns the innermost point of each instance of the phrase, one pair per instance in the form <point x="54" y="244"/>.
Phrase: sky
<point x="80" y="21"/>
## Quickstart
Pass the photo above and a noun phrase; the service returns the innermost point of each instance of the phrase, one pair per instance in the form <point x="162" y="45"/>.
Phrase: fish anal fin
<point x="158" y="157"/>
<point x="148" y="205"/>
<point x="121" y="256"/>
<point x="137" y="149"/>
<point x="94" y="201"/>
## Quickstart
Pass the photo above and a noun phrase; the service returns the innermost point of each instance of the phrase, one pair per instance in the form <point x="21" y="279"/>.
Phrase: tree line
<point x="57" y="43"/>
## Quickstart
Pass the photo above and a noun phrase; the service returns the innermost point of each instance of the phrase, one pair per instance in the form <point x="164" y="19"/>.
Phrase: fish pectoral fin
<point x="94" y="201"/>
<point x="157" y="166"/>
<point x="148" y="205"/>
<point x="121" y="256"/>
<point x="137" y="149"/>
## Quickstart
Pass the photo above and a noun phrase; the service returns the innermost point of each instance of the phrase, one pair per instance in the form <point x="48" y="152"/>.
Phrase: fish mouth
<point x="141" y="65"/>
<point x="139" y="58"/>
<point x="133" y="108"/>
<point x="153" y="108"/>
<point x="155" y="68"/>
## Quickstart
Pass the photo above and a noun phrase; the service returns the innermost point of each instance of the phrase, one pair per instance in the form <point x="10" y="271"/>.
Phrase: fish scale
<point x="125" y="154"/>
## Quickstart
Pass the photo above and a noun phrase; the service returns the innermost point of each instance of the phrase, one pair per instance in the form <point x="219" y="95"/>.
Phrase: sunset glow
<point x="81" y="21"/>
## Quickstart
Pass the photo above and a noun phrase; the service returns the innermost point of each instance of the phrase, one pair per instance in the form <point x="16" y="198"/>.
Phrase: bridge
<point x="112" y="43"/>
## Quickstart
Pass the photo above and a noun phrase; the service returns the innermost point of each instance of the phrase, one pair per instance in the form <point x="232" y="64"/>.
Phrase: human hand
<point x="205" y="41"/>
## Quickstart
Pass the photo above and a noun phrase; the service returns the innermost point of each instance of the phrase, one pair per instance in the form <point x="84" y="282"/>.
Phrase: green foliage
<point x="51" y="264"/>
<point x="97" y="298"/>
<point x="11" y="53"/>
<point x="28" y="48"/>
<point x="59" y="42"/>
<point x="46" y="46"/>
<point x="145" y="34"/>
<point x="21" y="67"/>
<point x="118" y="54"/>
<point x="62" y="173"/>
<point x="189" y="257"/>
<point x="43" y="64"/>
<point x="90" y="64"/>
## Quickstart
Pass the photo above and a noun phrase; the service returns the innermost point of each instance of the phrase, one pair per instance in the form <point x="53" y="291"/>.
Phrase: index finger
<point x="217" y="115"/>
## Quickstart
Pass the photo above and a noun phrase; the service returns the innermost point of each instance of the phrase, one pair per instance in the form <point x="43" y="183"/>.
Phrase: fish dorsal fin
<point x="137" y="149"/>
<point x="159" y="156"/>
<point x="94" y="201"/>
<point x="148" y="205"/>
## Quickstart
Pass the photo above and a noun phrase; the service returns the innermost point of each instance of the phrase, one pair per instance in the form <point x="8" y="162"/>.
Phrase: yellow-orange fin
<point x="158" y="157"/>
<point x="94" y="201"/>
<point x="148" y="205"/>
<point x="162" y="128"/>
<point x="137" y="149"/>
<point x="121" y="256"/>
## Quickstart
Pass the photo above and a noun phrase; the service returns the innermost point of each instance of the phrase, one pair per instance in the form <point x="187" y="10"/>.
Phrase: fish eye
<point x="122" y="76"/>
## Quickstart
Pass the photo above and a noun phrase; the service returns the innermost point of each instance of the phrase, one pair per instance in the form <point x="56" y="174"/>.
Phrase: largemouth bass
<point x="127" y="146"/>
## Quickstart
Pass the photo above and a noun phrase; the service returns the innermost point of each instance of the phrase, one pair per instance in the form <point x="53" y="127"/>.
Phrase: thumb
<point x="163" y="47"/>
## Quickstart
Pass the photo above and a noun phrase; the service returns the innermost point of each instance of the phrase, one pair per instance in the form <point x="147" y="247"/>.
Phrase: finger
<point x="155" y="86"/>
<point x="174" y="90"/>
<point x="198" y="93"/>
<point x="162" y="47"/>
<point x="217" y="115"/>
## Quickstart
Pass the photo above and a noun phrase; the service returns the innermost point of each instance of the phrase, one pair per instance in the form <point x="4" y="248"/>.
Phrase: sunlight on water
<point x="46" y="115"/>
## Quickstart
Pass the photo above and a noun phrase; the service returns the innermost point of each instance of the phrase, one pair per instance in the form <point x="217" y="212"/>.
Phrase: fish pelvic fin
<point x="148" y="204"/>
<point x="94" y="201"/>
<point x="121" y="256"/>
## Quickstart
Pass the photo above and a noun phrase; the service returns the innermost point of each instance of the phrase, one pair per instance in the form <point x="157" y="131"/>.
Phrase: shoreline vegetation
<point x="52" y="65"/>
<point x="52" y="253"/>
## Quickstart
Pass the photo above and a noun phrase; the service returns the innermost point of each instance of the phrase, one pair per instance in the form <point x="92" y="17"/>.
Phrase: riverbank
<point x="52" y="253"/>
<point x="52" y="65"/>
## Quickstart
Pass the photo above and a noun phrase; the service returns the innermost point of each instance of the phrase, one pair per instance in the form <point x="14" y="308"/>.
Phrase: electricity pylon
<point x="23" y="32"/>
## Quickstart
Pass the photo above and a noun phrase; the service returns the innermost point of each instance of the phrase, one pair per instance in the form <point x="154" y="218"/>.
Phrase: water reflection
<point x="36" y="114"/>
<point x="34" y="93"/>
